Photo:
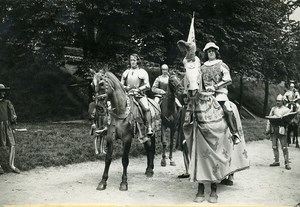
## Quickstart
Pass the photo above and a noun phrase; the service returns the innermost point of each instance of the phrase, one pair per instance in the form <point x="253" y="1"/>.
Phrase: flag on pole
<point x="191" y="37"/>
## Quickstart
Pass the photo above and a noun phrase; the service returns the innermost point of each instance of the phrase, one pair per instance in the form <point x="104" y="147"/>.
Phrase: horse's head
<point x="189" y="48"/>
<point x="192" y="66"/>
<point x="175" y="83"/>
<point x="99" y="86"/>
<point x="109" y="88"/>
<point x="192" y="76"/>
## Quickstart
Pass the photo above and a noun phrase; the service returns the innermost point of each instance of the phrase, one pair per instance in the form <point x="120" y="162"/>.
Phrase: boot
<point x="236" y="139"/>
<point x="231" y="121"/>
<point x="148" y="121"/>
<point x="286" y="158"/>
<point x="276" y="155"/>
<point x="274" y="164"/>
<point x="149" y="131"/>
<point x="287" y="166"/>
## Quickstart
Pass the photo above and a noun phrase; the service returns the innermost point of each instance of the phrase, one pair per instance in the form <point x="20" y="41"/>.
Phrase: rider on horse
<point x="291" y="95"/>
<point x="136" y="82"/>
<point x="160" y="85"/>
<point x="216" y="77"/>
<point x="290" y="98"/>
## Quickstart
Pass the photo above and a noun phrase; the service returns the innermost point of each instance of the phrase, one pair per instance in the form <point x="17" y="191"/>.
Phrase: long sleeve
<point x="146" y="83"/>
<point x="12" y="113"/>
<point x="268" y="128"/>
<point x="226" y="79"/>
<point x="155" y="87"/>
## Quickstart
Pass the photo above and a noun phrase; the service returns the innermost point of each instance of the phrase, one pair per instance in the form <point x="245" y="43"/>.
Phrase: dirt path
<point x="76" y="184"/>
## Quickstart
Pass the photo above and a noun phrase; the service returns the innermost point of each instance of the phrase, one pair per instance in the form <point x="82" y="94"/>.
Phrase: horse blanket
<point x="212" y="153"/>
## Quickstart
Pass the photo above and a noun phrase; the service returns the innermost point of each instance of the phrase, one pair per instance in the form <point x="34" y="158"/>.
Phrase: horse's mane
<point x="115" y="81"/>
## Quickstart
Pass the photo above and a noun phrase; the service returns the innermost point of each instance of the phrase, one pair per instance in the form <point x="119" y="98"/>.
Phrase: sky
<point x="296" y="15"/>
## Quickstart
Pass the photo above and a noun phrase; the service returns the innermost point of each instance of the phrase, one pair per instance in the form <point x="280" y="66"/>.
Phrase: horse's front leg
<point x="150" y="151"/>
<point x="125" y="161"/>
<point x="164" y="145"/>
<point x="108" y="158"/>
<point x="172" y="132"/>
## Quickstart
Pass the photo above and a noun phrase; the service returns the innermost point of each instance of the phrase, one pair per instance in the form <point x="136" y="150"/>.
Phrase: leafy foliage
<point x="256" y="38"/>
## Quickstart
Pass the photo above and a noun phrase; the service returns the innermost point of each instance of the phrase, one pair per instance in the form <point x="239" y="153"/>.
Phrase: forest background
<point x="47" y="48"/>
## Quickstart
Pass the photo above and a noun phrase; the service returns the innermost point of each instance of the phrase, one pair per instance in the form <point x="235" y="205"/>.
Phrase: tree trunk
<point x="241" y="91"/>
<point x="266" y="100"/>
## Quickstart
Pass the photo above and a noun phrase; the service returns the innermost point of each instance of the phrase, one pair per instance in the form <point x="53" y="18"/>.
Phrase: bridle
<point x="107" y="84"/>
<point x="176" y="85"/>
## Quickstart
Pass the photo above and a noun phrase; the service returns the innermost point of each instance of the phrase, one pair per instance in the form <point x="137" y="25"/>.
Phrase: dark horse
<point x="121" y="125"/>
<point x="169" y="116"/>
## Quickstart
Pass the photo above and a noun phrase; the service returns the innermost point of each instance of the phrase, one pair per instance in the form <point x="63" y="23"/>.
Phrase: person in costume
<point x="136" y="82"/>
<point x="160" y="85"/>
<point x="278" y="133"/>
<point x="291" y="95"/>
<point x="216" y="78"/>
<point x="8" y="120"/>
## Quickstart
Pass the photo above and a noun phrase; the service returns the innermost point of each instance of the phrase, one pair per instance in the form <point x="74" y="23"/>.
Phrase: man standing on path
<point x="278" y="133"/>
<point x="8" y="119"/>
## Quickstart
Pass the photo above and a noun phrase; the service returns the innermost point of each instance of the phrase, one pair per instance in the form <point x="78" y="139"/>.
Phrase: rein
<point x="108" y="84"/>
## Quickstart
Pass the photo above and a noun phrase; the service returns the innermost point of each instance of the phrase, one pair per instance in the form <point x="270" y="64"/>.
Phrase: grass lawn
<point x="49" y="144"/>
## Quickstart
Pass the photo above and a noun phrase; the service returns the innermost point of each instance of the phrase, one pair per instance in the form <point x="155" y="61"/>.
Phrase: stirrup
<point x="150" y="131"/>
<point x="236" y="139"/>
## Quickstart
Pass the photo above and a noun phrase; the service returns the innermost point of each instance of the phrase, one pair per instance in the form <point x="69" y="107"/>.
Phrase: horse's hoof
<point x="163" y="162"/>
<point x="149" y="173"/>
<point x="199" y="199"/>
<point x="101" y="186"/>
<point x="213" y="199"/>
<point x="123" y="186"/>
<point x="172" y="163"/>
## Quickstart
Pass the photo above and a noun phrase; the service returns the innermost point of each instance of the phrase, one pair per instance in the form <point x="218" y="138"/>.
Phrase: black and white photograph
<point x="149" y="103"/>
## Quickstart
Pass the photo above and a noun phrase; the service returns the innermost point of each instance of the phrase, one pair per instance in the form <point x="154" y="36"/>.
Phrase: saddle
<point x="139" y="118"/>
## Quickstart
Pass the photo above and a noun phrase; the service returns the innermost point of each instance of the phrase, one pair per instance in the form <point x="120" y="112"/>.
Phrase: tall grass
<point x="48" y="144"/>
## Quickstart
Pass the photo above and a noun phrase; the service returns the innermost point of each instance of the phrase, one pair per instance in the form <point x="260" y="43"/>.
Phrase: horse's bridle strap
<point x="125" y="114"/>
